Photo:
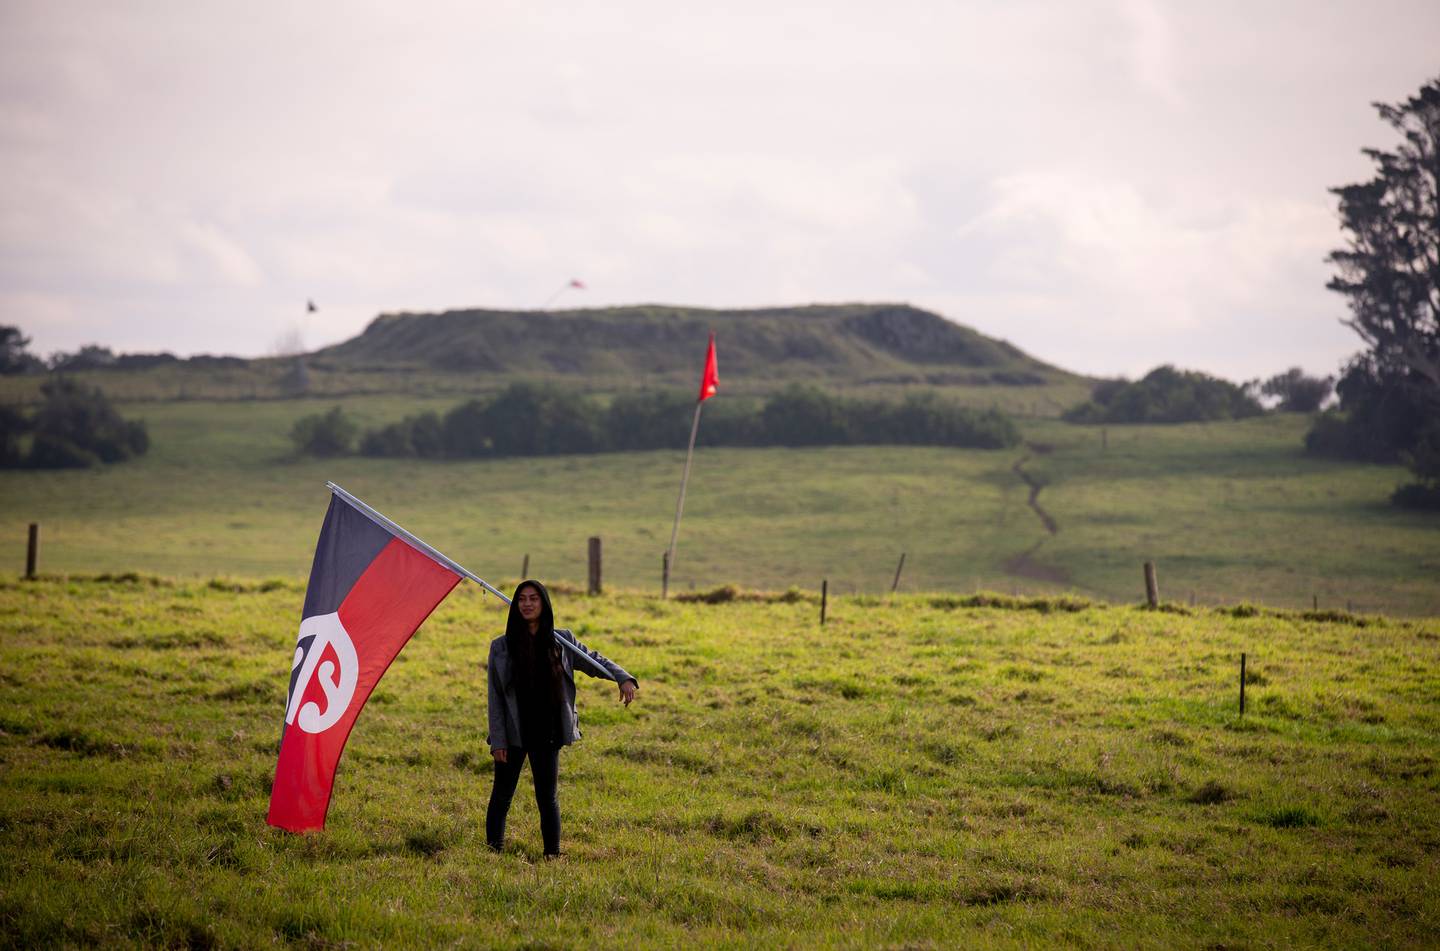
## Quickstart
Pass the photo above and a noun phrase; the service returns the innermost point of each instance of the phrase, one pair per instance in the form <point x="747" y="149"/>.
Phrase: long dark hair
<point x="537" y="653"/>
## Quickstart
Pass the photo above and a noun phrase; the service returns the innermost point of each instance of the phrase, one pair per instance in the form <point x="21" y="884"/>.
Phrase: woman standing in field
<point x="531" y="677"/>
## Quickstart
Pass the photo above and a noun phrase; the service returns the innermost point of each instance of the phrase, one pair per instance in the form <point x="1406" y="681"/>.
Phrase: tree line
<point x="529" y="420"/>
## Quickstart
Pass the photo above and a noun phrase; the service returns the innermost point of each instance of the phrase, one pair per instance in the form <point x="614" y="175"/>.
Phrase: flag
<point x="710" y="379"/>
<point x="369" y="591"/>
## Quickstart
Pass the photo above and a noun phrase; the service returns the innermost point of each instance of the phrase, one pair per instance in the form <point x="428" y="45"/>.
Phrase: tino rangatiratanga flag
<point x="369" y="591"/>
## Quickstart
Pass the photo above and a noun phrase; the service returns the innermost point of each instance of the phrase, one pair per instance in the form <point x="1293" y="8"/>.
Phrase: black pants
<point x="545" y="771"/>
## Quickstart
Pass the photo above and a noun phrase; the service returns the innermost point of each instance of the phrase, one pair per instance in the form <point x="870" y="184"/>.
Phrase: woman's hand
<point x="499" y="755"/>
<point x="627" y="691"/>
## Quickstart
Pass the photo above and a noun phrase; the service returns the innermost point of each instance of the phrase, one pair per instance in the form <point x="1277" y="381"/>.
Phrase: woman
<point x="532" y="707"/>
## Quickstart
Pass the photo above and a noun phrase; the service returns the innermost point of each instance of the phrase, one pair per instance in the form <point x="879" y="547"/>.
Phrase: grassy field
<point x="922" y="772"/>
<point x="1231" y="512"/>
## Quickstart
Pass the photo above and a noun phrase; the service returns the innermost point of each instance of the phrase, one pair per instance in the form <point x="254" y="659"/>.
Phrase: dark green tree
<point x="1389" y="273"/>
<point x="325" y="434"/>
<point x="1165" y="395"/>
<point x="14" y="352"/>
<point x="1297" y="393"/>
<point x="76" y="426"/>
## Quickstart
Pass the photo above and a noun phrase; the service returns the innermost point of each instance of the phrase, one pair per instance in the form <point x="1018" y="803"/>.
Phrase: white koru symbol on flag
<point x="338" y="685"/>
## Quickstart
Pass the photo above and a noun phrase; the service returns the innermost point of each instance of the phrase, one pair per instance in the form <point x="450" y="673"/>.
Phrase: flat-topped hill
<point x="846" y="343"/>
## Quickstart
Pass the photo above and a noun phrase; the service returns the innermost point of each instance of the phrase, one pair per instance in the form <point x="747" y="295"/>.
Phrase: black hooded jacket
<point x="532" y="679"/>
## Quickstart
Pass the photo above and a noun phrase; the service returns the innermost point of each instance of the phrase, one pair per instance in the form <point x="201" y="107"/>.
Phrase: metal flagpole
<point x="680" y="505"/>
<point x="438" y="555"/>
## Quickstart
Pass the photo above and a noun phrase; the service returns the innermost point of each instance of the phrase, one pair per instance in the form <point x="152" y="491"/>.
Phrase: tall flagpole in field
<point x="709" y="380"/>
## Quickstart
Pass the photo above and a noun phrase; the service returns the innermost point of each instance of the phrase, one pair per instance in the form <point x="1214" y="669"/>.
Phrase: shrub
<point x="1165" y="395"/>
<point x="77" y="427"/>
<point x="324" y="434"/>
<point x="419" y="436"/>
<point x="1297" y="393"/>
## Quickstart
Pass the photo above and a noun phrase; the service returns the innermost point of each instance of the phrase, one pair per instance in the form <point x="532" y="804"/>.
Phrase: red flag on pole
<point x="710" y="379"/>
<point x="369" y="591"/>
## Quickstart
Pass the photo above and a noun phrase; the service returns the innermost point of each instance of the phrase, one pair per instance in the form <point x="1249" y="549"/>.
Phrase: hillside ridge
<point x="883" y="342"/>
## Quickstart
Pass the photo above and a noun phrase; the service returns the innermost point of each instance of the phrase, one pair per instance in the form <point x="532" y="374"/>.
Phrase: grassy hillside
<point x="852" y="343"/>
<point x="878" y="348"/>
<point x="918" y="773"/>
<point x="1231" y="512"/>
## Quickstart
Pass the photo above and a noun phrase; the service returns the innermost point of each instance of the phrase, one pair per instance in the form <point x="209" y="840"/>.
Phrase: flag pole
<point x="414" y="541"/>
<point x="435" y="553"/>
<point x="680" y="504"/>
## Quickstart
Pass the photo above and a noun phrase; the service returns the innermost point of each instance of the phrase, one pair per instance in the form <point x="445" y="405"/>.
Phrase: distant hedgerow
<point x="530" y="420"/>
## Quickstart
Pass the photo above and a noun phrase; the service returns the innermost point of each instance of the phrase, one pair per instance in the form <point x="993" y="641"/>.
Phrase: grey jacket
<point x="504" y="708"/>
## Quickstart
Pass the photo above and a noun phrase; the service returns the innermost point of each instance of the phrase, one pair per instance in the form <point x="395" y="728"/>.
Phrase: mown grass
<point x="932" y="770"/>
<point x="1230" y="512"/>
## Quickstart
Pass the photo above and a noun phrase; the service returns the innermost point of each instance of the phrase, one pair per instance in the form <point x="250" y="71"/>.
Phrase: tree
<point x="14" y="352"/>
<point x="325" y="434"/>
<point x="1296" y="392"/>
<point x="92" y="356"/>
<point x="76" y="427"/>
<point x="1389" y="273"/>
<point x="1165" y="395"/>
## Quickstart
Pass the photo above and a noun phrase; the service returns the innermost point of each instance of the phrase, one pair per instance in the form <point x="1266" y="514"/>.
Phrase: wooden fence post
<point x="595" y="564"/>
<point x="1242" y="683"/>
<point x="525" y="567"/>
<point x="898" y="568"/>
<point x="32" y="551"/>
<point x="664" y="575"/>
<point x="1152" y="587"/>
<point x="824" y="596"/>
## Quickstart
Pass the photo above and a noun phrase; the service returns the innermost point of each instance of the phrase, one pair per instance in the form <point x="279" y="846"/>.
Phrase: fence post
<point x="1242" y="683"/>
<point x="1152" y="587"/>
<point x="595" y="564"/>
<point x="898" y="568"/>
<point x="664" y="574"/>
<point x="824" y="596"/>
<point x="32" y="551"/>
<point x="525" y="567"/>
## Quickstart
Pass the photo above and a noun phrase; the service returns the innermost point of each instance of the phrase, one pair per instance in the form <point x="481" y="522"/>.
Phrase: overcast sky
<point x="1108" y="185"/>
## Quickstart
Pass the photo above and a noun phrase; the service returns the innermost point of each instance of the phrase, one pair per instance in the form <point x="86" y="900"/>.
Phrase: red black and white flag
<point x="370" y="589"/>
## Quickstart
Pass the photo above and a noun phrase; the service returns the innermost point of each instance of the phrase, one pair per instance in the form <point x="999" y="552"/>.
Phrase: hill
<point x="846" y="344"/>
<point x="883" y="349"/>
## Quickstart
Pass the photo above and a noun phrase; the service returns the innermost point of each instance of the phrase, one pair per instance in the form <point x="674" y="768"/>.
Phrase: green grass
<point x="924" y="771"/>
<point x="1230" y="512"/>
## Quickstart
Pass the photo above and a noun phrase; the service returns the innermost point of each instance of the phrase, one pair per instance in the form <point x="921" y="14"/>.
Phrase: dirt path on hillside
<point x="1035" y="485"/>
<point x="1024" y="564"/>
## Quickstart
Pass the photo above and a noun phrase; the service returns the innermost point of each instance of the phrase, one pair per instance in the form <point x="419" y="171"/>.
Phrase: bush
<point x="525" y="420"/>
<point x="324" y="434"/>
<point x="76" y="427"/>
<point x="1297" y="393"/>
<point x="648" y="420"/>
<point x="13" y="425"/>
<point x="421" y="436"/>
<point x="1417" y="495"/>
<point x="1165" y="395"/>
<point x="1382" y="417"/>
